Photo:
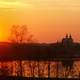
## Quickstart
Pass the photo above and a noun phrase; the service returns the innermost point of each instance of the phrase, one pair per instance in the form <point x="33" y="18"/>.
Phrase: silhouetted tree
<point x="20" y="34"/>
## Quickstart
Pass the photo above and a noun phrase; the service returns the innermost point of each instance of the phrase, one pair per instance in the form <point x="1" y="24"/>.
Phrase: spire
<point x="70" y="36"/>
<point x="66" y="35"/>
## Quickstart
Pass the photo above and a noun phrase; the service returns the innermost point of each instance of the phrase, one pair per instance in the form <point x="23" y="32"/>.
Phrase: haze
<point x="47" y="20"/>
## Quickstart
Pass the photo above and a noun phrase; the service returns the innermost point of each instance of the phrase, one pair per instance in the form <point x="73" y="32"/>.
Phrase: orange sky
<point x="47" y="20"/>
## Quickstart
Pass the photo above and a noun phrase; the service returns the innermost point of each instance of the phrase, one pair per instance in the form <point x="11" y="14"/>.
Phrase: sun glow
<point x="16" y="4"/>
<point x="48" y="20"/>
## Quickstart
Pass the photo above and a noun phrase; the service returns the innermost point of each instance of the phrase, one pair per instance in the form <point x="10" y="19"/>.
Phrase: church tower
<point x="67" y="41"/>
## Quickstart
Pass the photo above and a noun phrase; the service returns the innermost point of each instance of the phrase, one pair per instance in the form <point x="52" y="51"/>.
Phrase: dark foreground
<point x="30" y="78"/>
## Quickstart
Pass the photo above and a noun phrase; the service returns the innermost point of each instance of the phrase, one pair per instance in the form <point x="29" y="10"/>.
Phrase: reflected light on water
<point x="39" y="69"/>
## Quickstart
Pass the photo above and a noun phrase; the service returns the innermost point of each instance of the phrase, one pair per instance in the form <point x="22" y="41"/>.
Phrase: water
<point x="46" y="69"/>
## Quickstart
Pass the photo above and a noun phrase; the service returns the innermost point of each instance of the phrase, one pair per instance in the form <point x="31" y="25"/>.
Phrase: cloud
<point x="16" y="4"/>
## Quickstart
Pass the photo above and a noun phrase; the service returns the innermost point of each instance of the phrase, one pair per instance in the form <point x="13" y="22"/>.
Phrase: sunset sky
<point x="47" y="20"/>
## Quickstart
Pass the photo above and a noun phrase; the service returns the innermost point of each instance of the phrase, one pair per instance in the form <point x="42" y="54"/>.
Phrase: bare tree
<point x="20" y="34"/>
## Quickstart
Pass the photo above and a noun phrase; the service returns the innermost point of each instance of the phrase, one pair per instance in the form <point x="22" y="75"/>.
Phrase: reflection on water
<point x="39" y="69"/>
